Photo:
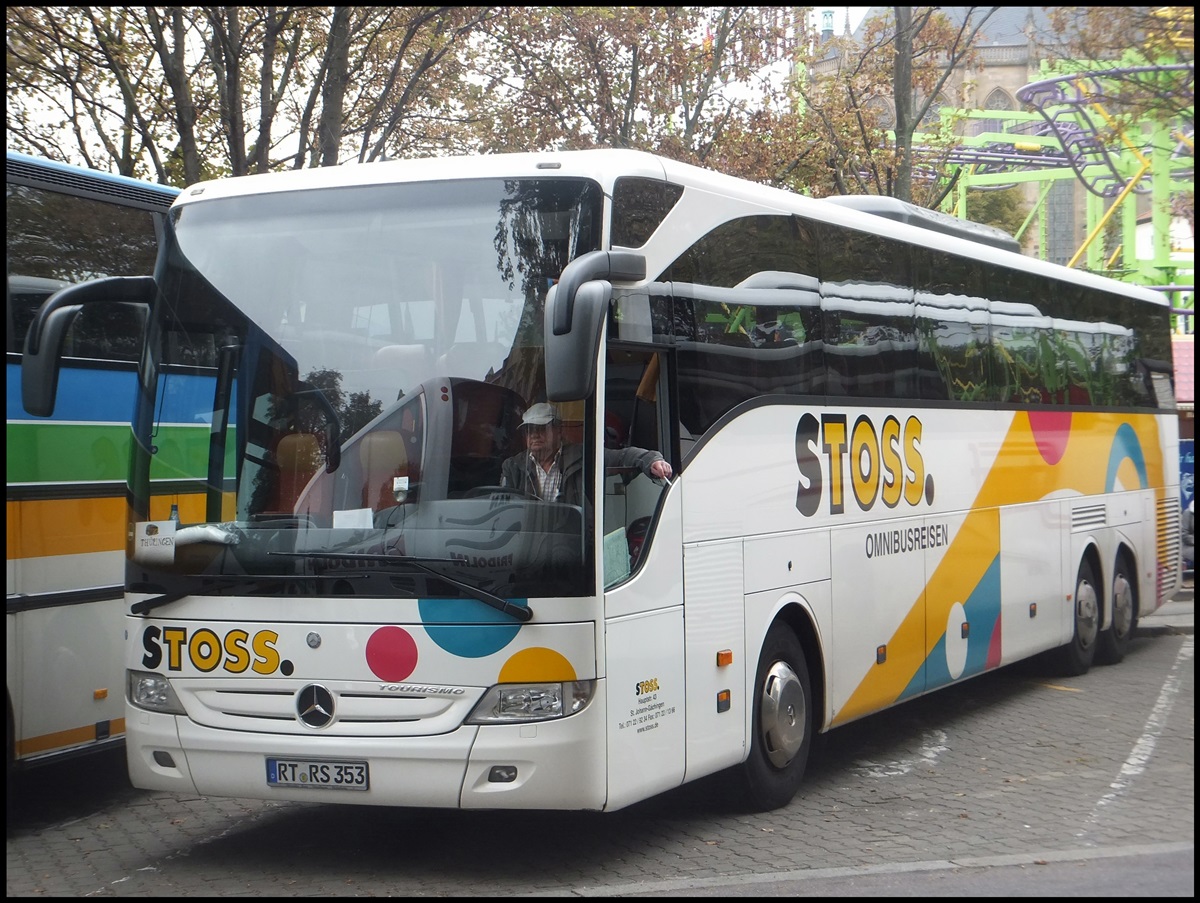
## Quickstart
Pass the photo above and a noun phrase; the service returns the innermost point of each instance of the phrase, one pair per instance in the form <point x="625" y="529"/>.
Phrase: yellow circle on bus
<point x="536" y="665"/>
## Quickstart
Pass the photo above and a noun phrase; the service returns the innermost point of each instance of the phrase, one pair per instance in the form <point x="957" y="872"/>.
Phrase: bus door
<point x="632" y="420"/>
<point x="643" y="581"/>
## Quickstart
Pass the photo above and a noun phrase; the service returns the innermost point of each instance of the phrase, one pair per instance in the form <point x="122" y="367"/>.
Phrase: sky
<point x="839" y="16"/>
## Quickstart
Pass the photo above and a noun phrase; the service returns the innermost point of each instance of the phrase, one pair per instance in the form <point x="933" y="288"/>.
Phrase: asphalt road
<point x="1016" y="782"/>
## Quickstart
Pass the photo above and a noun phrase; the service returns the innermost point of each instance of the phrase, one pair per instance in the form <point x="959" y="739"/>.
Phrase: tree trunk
<point x="903" y="87"/>
<point x="333" y="95"/>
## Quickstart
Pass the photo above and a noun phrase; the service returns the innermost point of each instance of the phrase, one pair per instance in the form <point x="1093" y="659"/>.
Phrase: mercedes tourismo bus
<point x="66" y="510"/>
<point x="904" y="455"/>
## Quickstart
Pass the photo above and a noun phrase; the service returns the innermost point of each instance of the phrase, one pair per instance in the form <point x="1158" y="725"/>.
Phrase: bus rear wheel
<point x="1076" y="656"/>
<point x="782" y="722"/>
<point x="1114" y="641"/>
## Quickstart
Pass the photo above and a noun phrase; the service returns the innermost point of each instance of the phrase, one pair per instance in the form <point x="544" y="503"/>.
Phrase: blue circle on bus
<point x="467" y="627"/>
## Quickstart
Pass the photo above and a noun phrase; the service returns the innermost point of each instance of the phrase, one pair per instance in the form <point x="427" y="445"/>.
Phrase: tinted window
<point x="1146" y="358"/>
<point x="1024" y="367"/>
<point x="639" y="206"/>
<point x="745" y="316"/>
<point x="952" y="328"/>
<point x="868" y="315"/>
<point x="1080" y="339"/>
<point x="892" y="320"/>
<point x="736" y="250"/>
<point x="54" y="239"/>
<point x="742" y="344"/>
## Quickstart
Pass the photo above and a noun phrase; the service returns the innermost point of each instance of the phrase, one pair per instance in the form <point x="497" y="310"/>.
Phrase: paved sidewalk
<point x="1176" y="616"/>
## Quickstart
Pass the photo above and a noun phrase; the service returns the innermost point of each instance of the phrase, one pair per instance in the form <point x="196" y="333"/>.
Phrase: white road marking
<point x="1143" y="749"/>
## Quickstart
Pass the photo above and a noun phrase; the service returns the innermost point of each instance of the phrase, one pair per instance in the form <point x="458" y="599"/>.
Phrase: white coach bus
<point x="901" y="456"/>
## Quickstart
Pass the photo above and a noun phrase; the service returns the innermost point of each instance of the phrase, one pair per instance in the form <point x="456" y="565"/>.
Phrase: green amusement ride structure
<point x="1077" y="126"/>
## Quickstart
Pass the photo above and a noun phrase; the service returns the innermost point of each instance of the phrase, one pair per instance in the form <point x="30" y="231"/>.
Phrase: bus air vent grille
<point x="1168" y="531"/>
<point x="1088" y="517"/>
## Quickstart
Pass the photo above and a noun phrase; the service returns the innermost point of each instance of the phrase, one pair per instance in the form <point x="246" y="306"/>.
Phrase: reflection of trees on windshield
<point x="295" y="434"/>
<point x="63" y="237"/>
<point x="542" y="225"/>
<point x="355" y="409"/>
<point x="69" y="239"/>
<point x="526" y="245"/>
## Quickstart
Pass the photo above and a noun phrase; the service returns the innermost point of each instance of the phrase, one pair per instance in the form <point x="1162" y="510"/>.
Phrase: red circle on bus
<point x="1051" y="430"/>
<point x="391" y="653"/>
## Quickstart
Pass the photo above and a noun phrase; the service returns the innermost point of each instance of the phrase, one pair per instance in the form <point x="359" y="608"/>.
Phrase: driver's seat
<point x="298" y="456"/>
<point x="383" y="457"/>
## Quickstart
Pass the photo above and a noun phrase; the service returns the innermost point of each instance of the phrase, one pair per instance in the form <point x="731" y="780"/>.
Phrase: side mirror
<point x="42" y="356"/>
<point x="575" y="310"/>
<point x="571" y="358"/>
<point x="618" y="266"/>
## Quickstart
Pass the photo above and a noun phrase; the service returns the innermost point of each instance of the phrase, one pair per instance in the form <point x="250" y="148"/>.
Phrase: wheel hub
<point x="784" y="715"/>
<point x="1087" y="614"/>
<point x="1122" y="615"/>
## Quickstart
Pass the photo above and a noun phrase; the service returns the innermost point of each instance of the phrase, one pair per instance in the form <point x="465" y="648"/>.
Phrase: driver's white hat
<point x="540" y="414"/>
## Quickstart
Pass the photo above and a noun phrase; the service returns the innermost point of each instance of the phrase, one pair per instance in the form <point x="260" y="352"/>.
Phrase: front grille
<point x="361" y="709"/>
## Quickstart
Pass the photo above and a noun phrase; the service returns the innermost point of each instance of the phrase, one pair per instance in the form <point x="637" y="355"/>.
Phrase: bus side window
<point x="869" y="316"/>
<point x="1023" y="367"/>
<point x="92" y="238"/>
<point x="951" y="327"/>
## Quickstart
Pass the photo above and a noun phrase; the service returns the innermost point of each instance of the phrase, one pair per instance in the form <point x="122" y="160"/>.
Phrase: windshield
<point x="356" y="362"/>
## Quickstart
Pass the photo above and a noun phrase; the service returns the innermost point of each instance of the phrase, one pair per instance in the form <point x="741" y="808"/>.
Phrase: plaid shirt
<point x="549" y="482"/>
<point x="564" y="481"/>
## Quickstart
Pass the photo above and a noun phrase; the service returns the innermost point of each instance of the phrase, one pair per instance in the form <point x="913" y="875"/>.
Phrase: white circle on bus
<point x="956" y="643"/>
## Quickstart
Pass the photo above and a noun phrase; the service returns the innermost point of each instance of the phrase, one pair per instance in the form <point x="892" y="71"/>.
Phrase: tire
<point x="782" y="723"/>
<point x="1114" y="641"/>
<point x="1076" y="656"/>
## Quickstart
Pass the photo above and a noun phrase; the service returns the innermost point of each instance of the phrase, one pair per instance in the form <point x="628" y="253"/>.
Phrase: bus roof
<point x="23" y="169"/>
<point x="606" y="165"/>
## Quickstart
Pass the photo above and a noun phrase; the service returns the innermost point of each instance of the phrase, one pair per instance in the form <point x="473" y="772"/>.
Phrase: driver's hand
<point x="661" y="470"/>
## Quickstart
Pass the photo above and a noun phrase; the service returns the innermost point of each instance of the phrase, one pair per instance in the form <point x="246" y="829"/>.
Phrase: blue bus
<point x="67" y="473"/>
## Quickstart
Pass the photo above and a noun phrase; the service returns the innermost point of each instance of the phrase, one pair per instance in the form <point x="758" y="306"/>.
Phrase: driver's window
<point x="634" y="395"/>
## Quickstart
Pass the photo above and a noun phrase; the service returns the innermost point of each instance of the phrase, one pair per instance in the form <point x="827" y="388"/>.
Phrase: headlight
<point x="516" y="703"/>
<point x="147" y="690"/>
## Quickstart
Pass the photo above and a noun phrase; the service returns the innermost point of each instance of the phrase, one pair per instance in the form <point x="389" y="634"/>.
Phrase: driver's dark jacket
<point x="518" y="471"/>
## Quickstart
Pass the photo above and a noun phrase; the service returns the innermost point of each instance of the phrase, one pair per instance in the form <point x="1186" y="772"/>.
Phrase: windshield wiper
<point x="519" y="612"/>
<point x="147" y="605"/>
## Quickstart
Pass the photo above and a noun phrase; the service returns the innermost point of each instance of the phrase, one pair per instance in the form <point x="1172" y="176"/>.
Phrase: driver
<point x="551" y="470"/>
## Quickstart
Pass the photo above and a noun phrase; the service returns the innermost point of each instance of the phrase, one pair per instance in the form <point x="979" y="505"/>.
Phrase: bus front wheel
<point x="782" y="722"/>
<point x="1076" y="657"/>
